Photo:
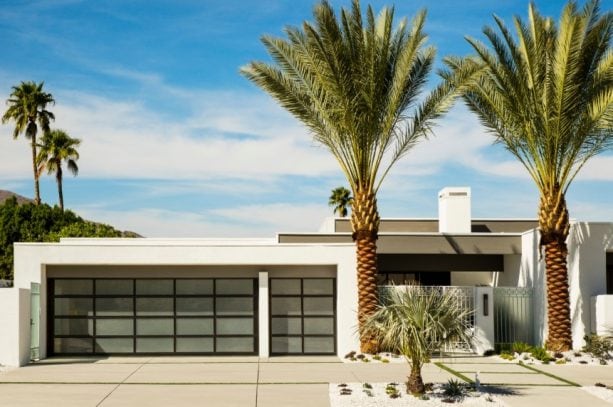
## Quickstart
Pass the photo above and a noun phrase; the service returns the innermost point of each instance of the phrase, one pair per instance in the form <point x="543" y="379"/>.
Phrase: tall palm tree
<point x="355" y="82"/>
<point x="56" y="147"/>
<point x="547" y="97"/>
<point x="340" y="199"/>
<point x="415" y="322"/>
<point x="27" y="108"/>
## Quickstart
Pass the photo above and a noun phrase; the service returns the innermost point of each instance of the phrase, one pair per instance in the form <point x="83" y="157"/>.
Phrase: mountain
<point x="4" y="195"/>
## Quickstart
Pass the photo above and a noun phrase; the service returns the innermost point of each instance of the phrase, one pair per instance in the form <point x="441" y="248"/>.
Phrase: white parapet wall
<point x="262" y="257"/>
<point x="602" y="315"/>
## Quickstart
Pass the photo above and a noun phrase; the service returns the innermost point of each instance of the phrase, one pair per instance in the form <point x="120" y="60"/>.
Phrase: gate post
<point x="263" y="333"/>
<point x="484" y="319"/>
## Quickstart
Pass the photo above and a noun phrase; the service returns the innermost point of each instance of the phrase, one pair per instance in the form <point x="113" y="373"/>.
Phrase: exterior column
<point x="484" y="319"/>
<point x="263" y="313"/>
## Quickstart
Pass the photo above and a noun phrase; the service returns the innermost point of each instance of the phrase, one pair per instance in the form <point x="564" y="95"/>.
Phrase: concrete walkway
<point x="249" y="381"/>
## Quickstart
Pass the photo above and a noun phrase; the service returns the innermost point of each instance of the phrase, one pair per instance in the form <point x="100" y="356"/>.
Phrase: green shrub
<point x="541" y="354"/>
<point x="454" y="388"/>
<point x="599" y="347"/>
<point x="521" y="347"/>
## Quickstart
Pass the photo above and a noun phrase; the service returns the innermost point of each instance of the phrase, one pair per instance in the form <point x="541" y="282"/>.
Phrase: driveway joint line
<point x="123" y="381"/>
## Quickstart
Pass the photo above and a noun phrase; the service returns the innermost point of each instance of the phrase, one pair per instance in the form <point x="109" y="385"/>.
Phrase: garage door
<point x="156" y="316"/>
<point x="302" y="316"/>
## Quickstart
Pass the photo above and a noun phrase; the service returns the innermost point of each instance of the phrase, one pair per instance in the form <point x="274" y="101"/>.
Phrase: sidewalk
<point x="248" y="381"/>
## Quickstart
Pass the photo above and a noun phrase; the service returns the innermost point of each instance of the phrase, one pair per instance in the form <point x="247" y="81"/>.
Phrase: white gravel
<point x="601" y="392"/>
<point x="383" y="357"/>
<point x="569" y="358"/>
<point x="379" y="398"/>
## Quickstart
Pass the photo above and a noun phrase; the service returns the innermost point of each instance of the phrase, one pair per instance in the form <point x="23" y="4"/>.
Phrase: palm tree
<point x="340" y="199"/>
<point x="56" y="147"/>
<point x="547" y="97"/>
<point x="416" y="321"/>
<point x="27" y="107"/>
<point x="352" y="82"/>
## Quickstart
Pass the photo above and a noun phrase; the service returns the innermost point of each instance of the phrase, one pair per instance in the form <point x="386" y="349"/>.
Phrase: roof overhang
<point x="423" y="243"/>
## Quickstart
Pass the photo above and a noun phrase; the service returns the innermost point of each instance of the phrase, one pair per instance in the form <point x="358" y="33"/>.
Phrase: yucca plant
<point x="416" y="321"/>
<point x="355" y="83"/>
<point x="546" y="94"/>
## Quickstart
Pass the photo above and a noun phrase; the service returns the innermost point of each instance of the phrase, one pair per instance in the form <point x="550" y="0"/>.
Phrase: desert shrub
<point x="454" y="388"/>
<point x="521" y="347"/>
<point x="599" y="347"/>
<point x="541" y="354"/>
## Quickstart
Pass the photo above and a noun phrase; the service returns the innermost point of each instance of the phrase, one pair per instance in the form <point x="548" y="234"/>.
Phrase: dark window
<point x="108" y="316"/>
<point x="302" y="316"/>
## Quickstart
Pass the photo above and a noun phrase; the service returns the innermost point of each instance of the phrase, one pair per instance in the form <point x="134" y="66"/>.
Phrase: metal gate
<point x="513" y="316"/>
<point x="34" y="321"/>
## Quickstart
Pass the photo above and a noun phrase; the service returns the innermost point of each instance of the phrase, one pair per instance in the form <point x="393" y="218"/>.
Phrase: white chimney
<point x="454" y="210"/>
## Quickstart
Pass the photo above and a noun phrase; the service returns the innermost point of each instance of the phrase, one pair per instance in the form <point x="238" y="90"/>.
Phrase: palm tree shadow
<point x="497" y="390"/>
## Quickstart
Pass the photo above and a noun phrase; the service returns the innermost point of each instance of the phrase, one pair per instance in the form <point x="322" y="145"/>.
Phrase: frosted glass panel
<point x="286" y="345"/>
<point x="114" y="345"/>
<point x="194" y="326"/>
<point x="196" y="345"/>
<point x="235" y="345"/>
<point x="114" y="287"/>
<point x="321" y="286"/>
<point x="194" y="306"/>
<point x="318" y="306"/>
<point x="285" y="306"/>
<point x="234" y="326"/>
<point x="146" y="345"/>
<point x="74" y="287"/>
<point x="234" y="286"/>
<point x="290" y="326"/>
<point x="114" y="307"/>
<point x="114" y="327"/>
<point x="154" y="306"/>
<point x="194" y="287"/>
<point x="155" y="326"/>
<point x="74" y="306"/>
<point x="72" y="345"/>
<point x="234" y="306"/>
<point x="285" y="286"/>
<point x="318" y="345"/>
<point x="154" y="287"/>
<point x="73" y="326"/>
<point x="319" y="326"/>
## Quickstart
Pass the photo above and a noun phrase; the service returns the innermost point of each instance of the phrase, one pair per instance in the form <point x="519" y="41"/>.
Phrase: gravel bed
<point x="379" y="397"/>
<point x="568" y="358"/>
<point x="601" y="392"/>
<point x="383" y="357"/>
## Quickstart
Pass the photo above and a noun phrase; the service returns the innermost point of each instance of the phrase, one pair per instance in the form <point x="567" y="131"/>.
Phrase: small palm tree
<point x="547" y="96"/>
<point x="340" y="199"/>
<point x="415" y="322"/>
<point x="56" y="147"/>
<point x="27" y="108"/>
<point x="356" y="82"/>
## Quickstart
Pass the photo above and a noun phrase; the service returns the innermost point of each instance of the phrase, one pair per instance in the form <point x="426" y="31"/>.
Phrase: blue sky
<point x="177" y="143"/>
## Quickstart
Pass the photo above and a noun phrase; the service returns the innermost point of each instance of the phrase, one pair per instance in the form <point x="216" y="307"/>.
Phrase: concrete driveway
<point x="249" y="381"/>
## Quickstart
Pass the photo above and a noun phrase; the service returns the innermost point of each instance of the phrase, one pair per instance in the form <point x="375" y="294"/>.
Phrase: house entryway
<point x="102" y="316"/>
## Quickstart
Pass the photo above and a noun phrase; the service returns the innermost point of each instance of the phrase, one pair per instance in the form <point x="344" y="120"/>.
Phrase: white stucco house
<point x="294" y="294"/>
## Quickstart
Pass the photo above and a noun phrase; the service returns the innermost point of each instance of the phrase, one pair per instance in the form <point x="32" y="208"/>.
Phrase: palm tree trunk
<point x="35" y="170"/>
<point x="554" y="225"/>
<point x="415" y="383"/>
<point x="58" y="177"/>
<point x="558" y="301"/>
<point x="365" y="224"/>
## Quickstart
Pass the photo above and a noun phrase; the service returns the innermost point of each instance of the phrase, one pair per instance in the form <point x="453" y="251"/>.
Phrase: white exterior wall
<point x="454" y="210"/>
<point x="587" y="247"/>
<point x="31" y="258"/>
<point x="602" y="315"/>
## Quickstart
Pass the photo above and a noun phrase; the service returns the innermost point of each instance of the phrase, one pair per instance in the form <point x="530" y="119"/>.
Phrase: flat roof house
<point x="295" y="294"/>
